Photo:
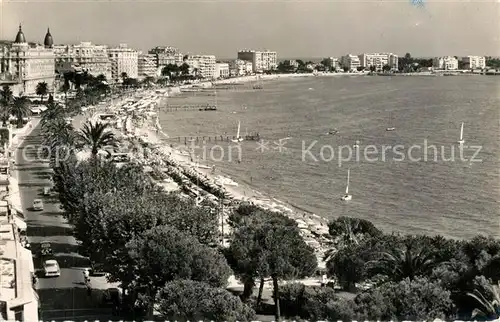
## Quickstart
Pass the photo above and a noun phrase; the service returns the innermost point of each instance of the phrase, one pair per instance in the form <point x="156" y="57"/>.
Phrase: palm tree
<point x="408" y="260"/>
<point x="6" y="98"/>
<point x="60" y="137"/>
<point x="101" y="78"/>
<point x="65" y="89"/>
<point x="487" y="300"/>
<point x="20" y="109"/>
<point x="42" y="89"/>
<point x="53" y="111"/>
<point x="96" y="136"/>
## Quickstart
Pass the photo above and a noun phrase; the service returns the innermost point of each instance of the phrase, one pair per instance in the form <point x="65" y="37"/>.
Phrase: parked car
<point x="96" y="269"/>
<point x="51" y="268"/>
<point x="37" y="204"/>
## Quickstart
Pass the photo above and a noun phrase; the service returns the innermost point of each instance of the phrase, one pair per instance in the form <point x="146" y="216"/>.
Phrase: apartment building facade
<point x="240" y="67"/>
<point x="332" y="62"/>
<point x="83" y="57"/>
<point x="18" y="297"/>
<point x="166" y="55"/>
<point x="378" y="60"/>
<point x="474" y="62"/>
<point x="351" y="62"/>
<point x="146" y="65"/>
<point x="261" y="60"/>
<point x="445" y="63"/>
<point x="204" y="64"/>
<point x="123" y="60"/>
<point x="24" y="65"/>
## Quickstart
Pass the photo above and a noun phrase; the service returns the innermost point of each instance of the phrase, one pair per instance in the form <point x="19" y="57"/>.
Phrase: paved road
<point x="66" y="292"/>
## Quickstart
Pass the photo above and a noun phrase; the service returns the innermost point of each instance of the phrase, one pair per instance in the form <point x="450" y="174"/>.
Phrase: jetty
<point x="190" y="107"/>
<point x="214" y="138"/>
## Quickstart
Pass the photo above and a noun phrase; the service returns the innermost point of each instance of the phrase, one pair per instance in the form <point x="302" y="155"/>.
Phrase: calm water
<point x="455" y="198"/>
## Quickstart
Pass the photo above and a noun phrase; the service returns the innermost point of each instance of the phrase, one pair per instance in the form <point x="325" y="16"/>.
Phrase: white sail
<point x="462" y="132"/>
<point x="347" y="186"/>
<point x="238" y="133"/>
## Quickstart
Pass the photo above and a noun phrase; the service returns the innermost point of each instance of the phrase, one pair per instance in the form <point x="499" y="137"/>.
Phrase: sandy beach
<point x="136" y="121"/>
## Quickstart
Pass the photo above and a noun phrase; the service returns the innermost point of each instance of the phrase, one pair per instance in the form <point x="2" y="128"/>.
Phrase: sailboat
<point x="347" y="196"/>
<point x="461" y="141"/>
<point x="390" y="128"/>
<point x="238" y="137"/>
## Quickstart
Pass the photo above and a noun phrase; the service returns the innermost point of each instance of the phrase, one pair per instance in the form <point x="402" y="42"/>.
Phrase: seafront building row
<point x="24" y="64"/>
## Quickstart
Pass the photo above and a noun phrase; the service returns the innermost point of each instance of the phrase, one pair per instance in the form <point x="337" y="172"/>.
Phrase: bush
<point x="417" y="299"/>
<point x="191" y="300"/>
<point x="292" y="299"/>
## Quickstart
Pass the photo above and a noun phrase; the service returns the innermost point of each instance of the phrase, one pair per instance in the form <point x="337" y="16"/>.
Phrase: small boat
<point x="238" y="137"/>
<point x="347" y="196"/>
<point x="332" y="132"/>
<point x="390" y="128"/>
<point x="461" y="140"/>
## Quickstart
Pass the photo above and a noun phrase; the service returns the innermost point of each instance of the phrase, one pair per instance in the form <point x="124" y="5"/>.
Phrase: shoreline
<point x="179" y="170"/>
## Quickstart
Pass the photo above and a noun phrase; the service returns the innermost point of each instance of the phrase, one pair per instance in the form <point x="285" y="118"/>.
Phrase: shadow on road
<point x="47" y="231"/>
<point x="71" y="302"/>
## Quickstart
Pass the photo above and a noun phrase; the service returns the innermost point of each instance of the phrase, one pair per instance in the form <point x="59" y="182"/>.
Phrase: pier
<point x="214" y="138"/>
<point x="188" y="107"/>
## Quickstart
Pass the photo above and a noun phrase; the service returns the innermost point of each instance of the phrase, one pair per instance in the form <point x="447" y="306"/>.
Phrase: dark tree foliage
<point x="187" y="300"/>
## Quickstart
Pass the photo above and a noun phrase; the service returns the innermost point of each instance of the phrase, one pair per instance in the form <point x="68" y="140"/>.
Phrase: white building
<point x="240" y="67"/>
<point x="261" y="60"/>
<point x="221" y="70"/>
<point x="85" y="57"/>
<point x="18" y="298"/>
<point x="378" y="60"/>
<point x="474" y="62"/>
<point x="167" y="55"/>
<point x="446" y="63"/>
<point x="23" y="65"/>
<point x="146" y="65"/>
<point x="351" y="62"/>
<point x="204" y="64"/>
<point x="123" y="60"/>
<point x="332" y="62"/>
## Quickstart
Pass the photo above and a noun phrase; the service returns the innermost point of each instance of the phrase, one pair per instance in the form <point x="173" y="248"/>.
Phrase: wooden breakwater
<point x="213" y="138"/>
<point x="190" y="107"/>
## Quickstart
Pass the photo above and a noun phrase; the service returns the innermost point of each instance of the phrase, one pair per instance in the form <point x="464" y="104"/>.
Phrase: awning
<point x="20" y="223"/>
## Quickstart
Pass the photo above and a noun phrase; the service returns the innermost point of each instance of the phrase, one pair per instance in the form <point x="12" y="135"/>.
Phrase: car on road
<point x="96" y="269"/>
<point x="37" y="204"/>
<point x="46" y="191"/>
<point x="51" y="268"/>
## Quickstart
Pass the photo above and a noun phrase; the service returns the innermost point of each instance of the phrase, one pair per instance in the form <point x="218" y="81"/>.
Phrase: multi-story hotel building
<point x="332" y="62"/>
<point x="261" y="60"/>
<point x="221" y="70"/>
<point x="379" y="60"/>
<point x="23" y="65"/>
<point x="474" y="62"/>
<point x="446" y="63"/>
<point x="123" y="60"/>
<point x="84" y="57"/>
<point x="240" y="67"/>
<point x="146" y="65"/>
<point x="351" y="62"/>
<point x="18" y="298"/>
<point x="167" y="56"/>
<point x="205" y="64"/>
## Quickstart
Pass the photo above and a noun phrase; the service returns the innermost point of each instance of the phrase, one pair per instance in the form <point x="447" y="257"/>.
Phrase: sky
<point x="301" y="28"/>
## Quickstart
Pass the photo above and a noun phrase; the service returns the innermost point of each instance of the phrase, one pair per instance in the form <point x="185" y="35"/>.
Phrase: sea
<point x="416" y="179"/>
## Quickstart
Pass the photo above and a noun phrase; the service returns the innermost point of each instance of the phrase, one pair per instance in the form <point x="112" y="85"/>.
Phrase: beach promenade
<point x="202" y="181"/>
<point x="64" y="297"/>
